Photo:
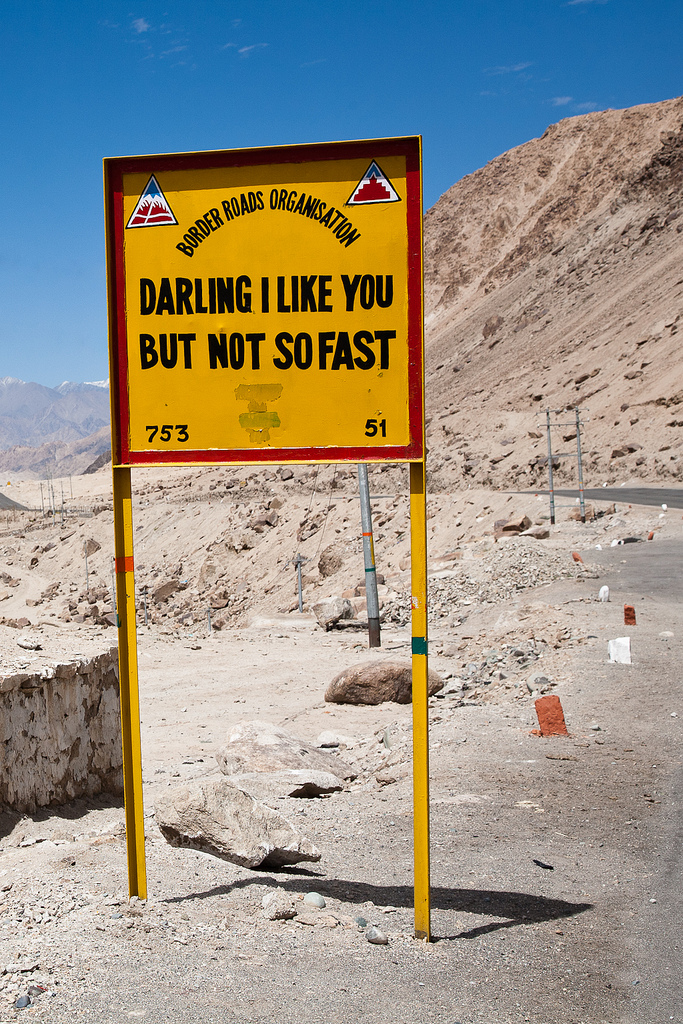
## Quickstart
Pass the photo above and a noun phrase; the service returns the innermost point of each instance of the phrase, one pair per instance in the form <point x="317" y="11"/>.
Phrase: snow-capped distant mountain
<point x="69" y="386"/>
<point x="32" y="414"/>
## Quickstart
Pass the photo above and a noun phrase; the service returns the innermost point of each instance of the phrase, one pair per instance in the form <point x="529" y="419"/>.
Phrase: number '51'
<point x="371" y="427"/>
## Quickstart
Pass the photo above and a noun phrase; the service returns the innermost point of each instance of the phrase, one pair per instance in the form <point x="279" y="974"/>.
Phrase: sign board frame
<point x="196" y="167"/>
<point x="126" y="456"/>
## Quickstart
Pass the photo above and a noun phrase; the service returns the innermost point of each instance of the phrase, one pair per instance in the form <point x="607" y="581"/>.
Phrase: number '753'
<point x="167" y="432"/>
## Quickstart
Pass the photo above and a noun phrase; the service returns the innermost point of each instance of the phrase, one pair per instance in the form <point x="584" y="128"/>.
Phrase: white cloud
<point x="585" y="107"/>
<point x="573" y="3"/>
<point x="246" y="51"/>
<point x="140" y="25"/>
<point x="312" y="63"/>
<point x="561" y="101"/>
<point x="507" y="69"/>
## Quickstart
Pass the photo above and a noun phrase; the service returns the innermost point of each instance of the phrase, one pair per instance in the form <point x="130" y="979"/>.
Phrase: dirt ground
<point x="555" y="862"/>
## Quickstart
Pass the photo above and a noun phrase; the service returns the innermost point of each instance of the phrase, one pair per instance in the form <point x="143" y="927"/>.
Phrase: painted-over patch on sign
<point x="373" y="187"/>
<point x="152" y="208"/>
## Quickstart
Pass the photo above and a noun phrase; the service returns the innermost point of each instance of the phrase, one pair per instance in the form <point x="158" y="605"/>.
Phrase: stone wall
<point x="60" y="733"/>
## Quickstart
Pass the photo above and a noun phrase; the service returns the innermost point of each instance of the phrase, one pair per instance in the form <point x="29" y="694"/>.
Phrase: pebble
<point x="361" y="922"/>
<point x="22" y="1002"/>
<point x="376" y="936"/>
<point x="314" y="899"/>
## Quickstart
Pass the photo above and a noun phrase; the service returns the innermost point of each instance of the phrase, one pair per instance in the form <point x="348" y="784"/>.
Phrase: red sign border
<point x="116" y="167"/>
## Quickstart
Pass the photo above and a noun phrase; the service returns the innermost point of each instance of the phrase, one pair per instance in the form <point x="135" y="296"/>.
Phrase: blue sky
<point x="83" y="80"/>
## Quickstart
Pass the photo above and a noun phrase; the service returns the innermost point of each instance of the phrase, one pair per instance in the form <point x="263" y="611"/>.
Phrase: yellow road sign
<point x="266" y="305"/>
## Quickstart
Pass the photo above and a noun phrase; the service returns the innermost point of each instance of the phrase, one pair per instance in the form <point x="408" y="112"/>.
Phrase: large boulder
<point x="374" y="682"/>
<point x="331" y="609"/>
<point x="162" y="593"/>
<point x="262" y="747"/>
<point x="330" y="561"/>
<point x="216" y="817"/>
<point x="305" y="782"/>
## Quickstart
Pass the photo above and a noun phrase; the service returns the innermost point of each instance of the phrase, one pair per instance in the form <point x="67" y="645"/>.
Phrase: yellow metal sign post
<point x="128" y="683"/>
<point x="418" y="569"/>
<point x="265" y="306"/>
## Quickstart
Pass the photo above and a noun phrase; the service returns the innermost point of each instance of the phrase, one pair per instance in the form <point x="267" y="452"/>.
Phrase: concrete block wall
<point x="60" y="733"/>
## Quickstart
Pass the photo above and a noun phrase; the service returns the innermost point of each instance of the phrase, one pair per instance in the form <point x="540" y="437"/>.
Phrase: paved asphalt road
<point x="654" y="573"/>
<point x="671" y="496"/>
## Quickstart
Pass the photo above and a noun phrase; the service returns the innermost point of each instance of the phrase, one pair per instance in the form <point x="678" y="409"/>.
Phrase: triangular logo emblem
<point x="373" y="187"/>
<point x="151" y="208"/>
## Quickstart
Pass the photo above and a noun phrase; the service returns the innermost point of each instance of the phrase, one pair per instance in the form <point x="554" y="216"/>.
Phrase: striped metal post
<point x="372" y="600"/>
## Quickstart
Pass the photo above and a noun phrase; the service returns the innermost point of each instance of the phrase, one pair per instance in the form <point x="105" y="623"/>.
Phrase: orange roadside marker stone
<point x="629" y="615"/>
<point x="550" y="716"/>
<point x="576" y="556"/>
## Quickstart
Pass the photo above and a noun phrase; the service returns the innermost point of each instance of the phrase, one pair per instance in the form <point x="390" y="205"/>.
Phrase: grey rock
<point x="23" y="967"/>
<point x="22" y="1002"/>
<point x="361" y="922"/>
<point x="309" y="919"/>
<point x="214" y="816"/>
<point x="538" y="532"/>
<point x="374" y="682"/>
<point x="376" y="936"/>
<point x="304" y="782"/>
<point x="278" y="906"/>
<point x="330" y="561"/>
<point x="162" y="593"/>
<point x="314" y="899"/>
<point x="332" y="610"/>
<point x="329" y="739"/>
<point x="262" y="747"/>
<point x="28" y="643"/>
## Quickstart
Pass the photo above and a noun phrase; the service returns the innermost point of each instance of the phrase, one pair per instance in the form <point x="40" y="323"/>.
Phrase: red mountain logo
<point x="152" y="208"/>
<point x="373" y="187"/>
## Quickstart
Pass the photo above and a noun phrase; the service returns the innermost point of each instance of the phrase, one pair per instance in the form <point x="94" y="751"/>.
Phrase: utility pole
<point x="87" y="576"/>
<point x="569" y="455"/>
<point x="298" y="561"/>
<point x="372" y="601"/>
<point x="550" y="469"/>
<point x="578" y="454"/>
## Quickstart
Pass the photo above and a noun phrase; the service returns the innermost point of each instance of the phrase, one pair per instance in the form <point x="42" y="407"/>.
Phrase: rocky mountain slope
<point x="553" y="279"/>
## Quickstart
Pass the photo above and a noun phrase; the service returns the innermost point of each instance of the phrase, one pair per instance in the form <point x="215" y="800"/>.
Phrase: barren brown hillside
<point x="554" y="277"/>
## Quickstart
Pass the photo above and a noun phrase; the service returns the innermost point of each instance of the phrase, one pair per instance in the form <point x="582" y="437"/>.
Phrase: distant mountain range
<point x="32" y="414"/>
<point x="52" y="431"/>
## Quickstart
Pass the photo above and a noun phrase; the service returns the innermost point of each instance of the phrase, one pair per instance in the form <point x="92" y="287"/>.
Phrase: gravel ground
<point x="553" y="863"/>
